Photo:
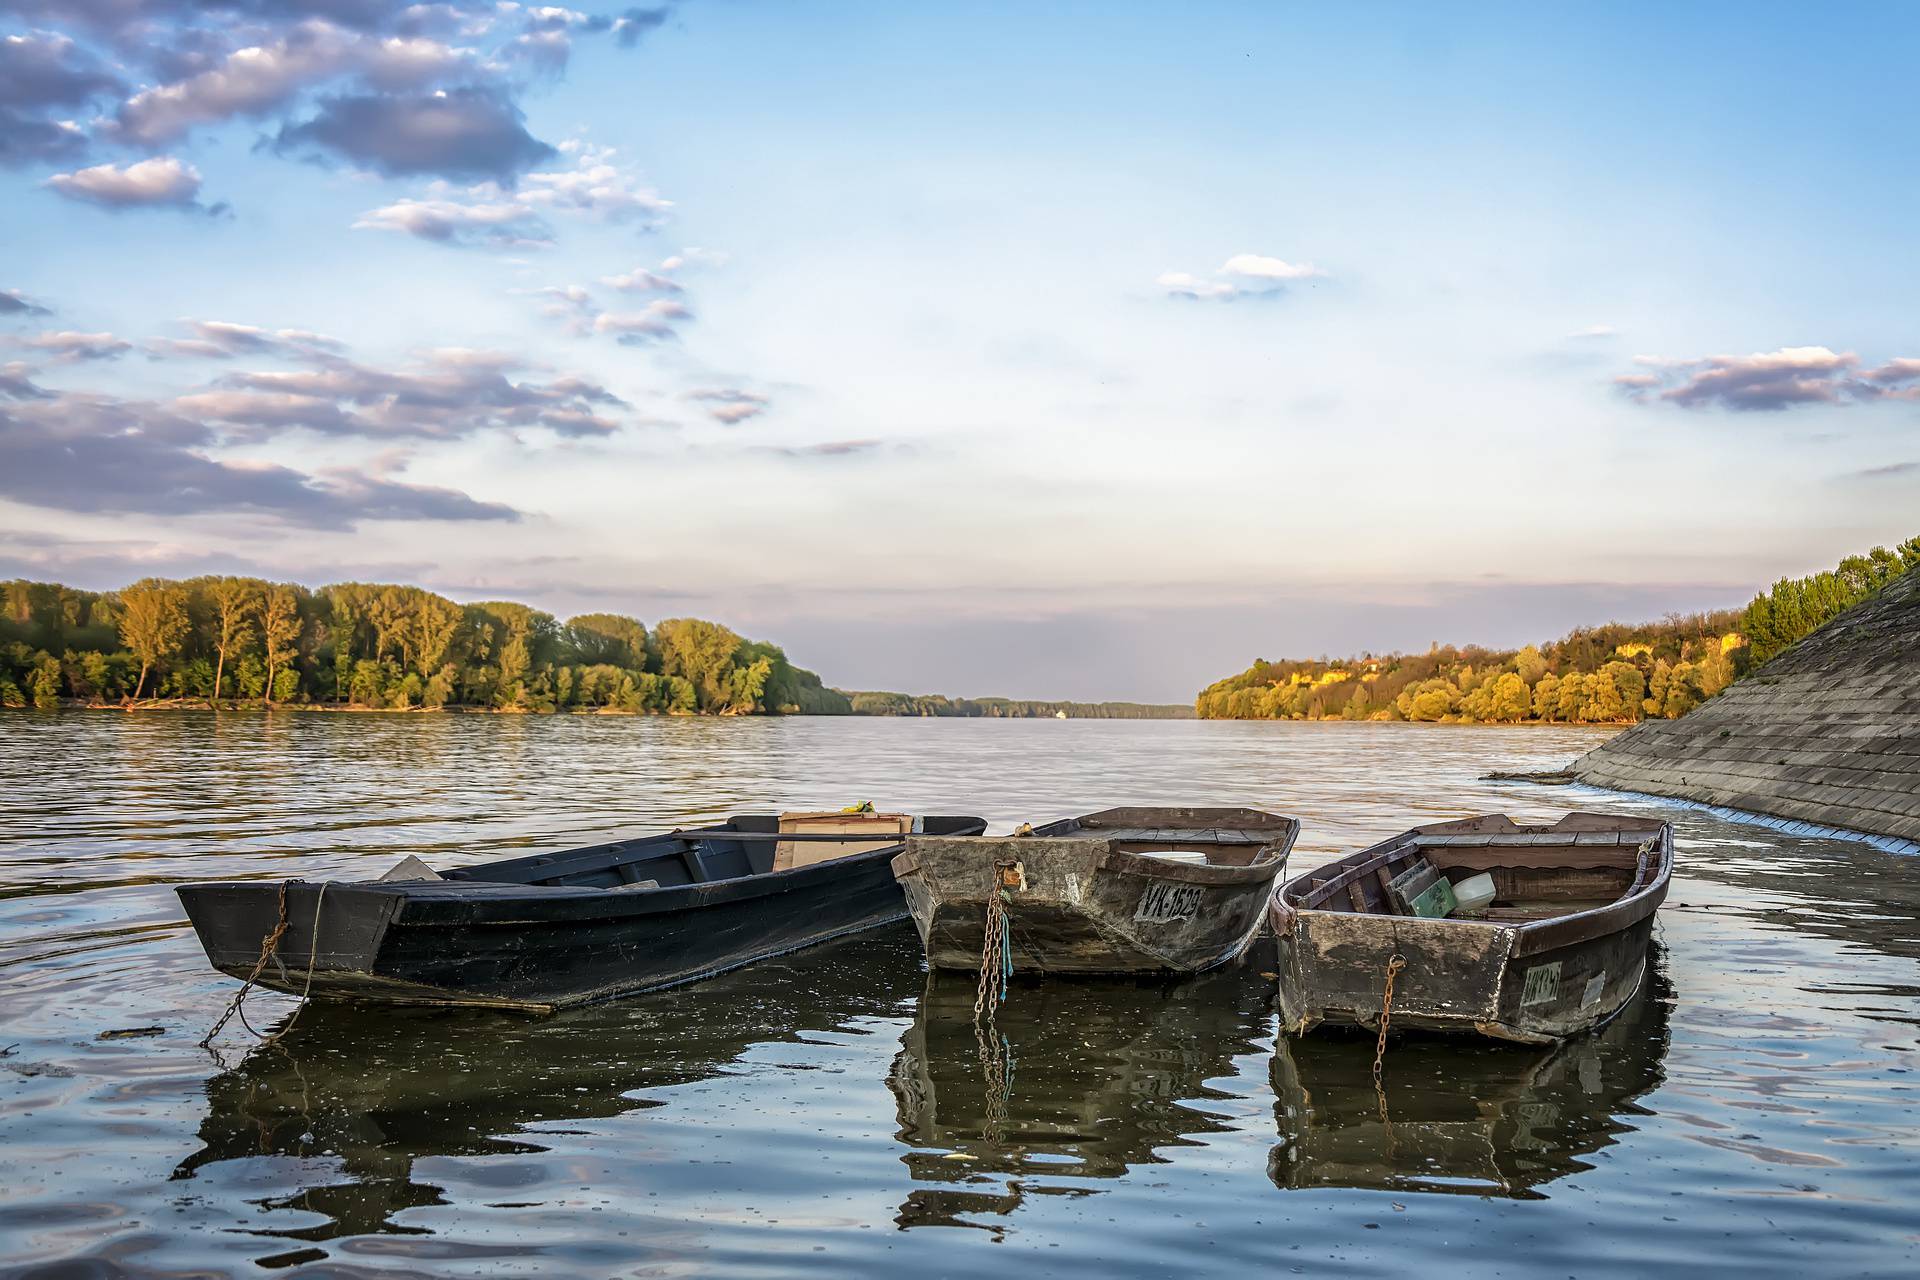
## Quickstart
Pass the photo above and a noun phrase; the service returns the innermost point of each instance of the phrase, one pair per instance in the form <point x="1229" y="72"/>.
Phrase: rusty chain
<point x="269" y="950"/>
<point x="1395" y="964"/>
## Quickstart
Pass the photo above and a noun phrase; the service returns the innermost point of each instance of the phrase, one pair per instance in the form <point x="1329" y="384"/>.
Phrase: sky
<point x="1074" y="351"/>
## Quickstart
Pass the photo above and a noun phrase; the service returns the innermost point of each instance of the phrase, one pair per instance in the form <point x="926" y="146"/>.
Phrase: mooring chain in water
<point x="996" y="952"/>
<point x="1394" y="965"/>
<point x="996" y="971"/>
<point x="996" y="1063"/>
<point x="269" y="950"/>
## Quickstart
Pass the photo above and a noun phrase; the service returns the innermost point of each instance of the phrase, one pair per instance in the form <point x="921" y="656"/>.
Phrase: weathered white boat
<point x="1135" y="890"/>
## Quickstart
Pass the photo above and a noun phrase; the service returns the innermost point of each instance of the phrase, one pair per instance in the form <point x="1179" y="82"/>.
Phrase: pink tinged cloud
<point x="730" y="406"/>
<point x="160" y="181"/>
<point x="1770" y="381"/>
<point x="260" y="80"/>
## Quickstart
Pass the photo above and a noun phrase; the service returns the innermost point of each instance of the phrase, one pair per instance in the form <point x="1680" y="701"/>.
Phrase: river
<point x="1753" y="1111"/>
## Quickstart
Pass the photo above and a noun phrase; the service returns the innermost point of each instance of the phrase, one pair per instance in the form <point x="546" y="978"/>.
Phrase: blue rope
<point x="1006" y="951"/>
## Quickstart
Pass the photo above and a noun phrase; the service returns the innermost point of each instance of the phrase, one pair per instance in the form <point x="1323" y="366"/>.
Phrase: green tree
<point x="701" y="653"/>
<point x="44" y="681"/>
<point x="280" y="629"/>
<point x="1510" y="701"/>
<point x="235" y="601"/>
<point x="153" y="622"/>
<point x="607" y="639"/>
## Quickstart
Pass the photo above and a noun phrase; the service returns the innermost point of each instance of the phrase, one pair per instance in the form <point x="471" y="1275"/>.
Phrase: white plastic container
<point x="1196" y="856"/>
<point x="1473" y="894"/>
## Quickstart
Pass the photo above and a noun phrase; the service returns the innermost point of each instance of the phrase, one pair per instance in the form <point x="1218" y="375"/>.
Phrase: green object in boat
<point x="1436" y="902"/>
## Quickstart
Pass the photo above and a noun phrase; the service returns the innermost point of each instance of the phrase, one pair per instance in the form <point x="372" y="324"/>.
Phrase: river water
<point x="1755" y="1110"/>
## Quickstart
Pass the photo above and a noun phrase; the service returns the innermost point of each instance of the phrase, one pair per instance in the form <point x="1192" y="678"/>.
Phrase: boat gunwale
<point x="1529" y="937"/>
<point x="1104" y="854"/>
<point x="501" y="903"/>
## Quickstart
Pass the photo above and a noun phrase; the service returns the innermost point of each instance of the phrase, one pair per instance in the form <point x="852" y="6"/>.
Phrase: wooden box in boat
<point x="1097" y="894"/>
<point x="1561" y="949"/>
<point x="557" y="929"/>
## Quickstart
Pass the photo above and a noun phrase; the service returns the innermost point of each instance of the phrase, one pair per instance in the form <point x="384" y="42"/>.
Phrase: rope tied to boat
<point x="270" y="950"/>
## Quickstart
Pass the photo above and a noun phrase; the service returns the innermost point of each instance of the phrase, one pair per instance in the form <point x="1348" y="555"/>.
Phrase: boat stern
<point x="1334" y="967"/>
<point x="1079" y="904"/>
<point x="329" y="945"/>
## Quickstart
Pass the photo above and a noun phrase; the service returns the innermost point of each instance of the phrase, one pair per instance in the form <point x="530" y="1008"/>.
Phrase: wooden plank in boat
<point x="887" y="830"/>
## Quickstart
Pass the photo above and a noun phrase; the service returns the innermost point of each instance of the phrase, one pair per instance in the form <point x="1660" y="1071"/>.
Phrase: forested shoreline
<point x="365" y="646"/>
<point x="231" y="641"/>
<point x="938" y="705"/>
<point x="236" y="641"/>
<point x="1612" y="674"/>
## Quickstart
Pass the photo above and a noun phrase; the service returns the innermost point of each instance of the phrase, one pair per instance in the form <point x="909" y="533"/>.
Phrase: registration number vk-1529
<point x="1162" y="903"/>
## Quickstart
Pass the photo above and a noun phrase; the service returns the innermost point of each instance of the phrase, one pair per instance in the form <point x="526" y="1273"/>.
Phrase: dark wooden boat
<point x="557" y="929"/>
<point x="1138" y="890"/>
<point x="1561" y="948"/>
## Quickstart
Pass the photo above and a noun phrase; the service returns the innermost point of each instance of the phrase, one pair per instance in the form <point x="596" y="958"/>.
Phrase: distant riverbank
<point x="975" y="709"/>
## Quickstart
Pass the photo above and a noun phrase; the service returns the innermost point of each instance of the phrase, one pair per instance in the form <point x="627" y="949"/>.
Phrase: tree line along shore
<point x="1611" y="674"/>
<point x="366" y="646"/>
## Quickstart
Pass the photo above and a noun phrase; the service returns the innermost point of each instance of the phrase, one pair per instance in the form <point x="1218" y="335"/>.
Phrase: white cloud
<point x="730" y="405"/>
<point x="1244" y="275"/>
<point x="68" y="346"/>
<point x="493" y="216"/>
<point x="1256" y="267"/>
<point x="641" y="280"/>
<point x="695" y="256"/>
<point x="223" y="340"/>
<point x="654" y="321"/>
<point x="1182" y="284"/>
<point x="594" y="185"/>
<point x="498" y="224"/>
<point x="162" y="180"/>
<point x="262" y="79"/>
<point x="1771" y="380"/>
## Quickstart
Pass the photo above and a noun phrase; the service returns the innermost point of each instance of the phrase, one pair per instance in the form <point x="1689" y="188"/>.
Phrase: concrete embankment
<point x="1827" y="733"/>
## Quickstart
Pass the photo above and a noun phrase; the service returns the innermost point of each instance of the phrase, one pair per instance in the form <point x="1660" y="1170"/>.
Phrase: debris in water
<point x="131" y="1033"/>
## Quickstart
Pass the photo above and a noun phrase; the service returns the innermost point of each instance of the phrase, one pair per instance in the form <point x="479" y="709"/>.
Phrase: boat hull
<point x="1081" y="906"/>
<point x="1458" y="977"/>
<point x="529" y="947"/>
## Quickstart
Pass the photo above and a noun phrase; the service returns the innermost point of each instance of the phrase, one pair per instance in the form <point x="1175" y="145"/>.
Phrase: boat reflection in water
<point x="1093" y="1077"/>
<point x="359" y="1096"/>
<point x="1460" y="1116"/>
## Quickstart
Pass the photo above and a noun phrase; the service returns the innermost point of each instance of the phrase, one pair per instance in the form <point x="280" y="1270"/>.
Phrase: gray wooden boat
<point x="1560" y="949"/>
<point x="1136" y="890"/>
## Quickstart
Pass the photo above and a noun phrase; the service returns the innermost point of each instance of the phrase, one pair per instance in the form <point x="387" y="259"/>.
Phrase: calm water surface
<point x="1754" y="1111"/>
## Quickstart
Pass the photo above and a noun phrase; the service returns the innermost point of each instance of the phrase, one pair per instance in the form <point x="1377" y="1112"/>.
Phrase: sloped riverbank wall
<point x="1826" y="733"/>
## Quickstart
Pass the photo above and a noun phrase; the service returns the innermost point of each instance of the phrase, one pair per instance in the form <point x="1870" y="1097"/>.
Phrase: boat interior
<point x="744" y="845"/>
<point x="1220" y="837"/>
<point x="1537" y="873"/>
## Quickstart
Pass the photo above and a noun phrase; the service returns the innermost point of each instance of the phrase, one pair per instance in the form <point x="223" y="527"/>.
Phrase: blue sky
<point x="1088" y="353"/>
